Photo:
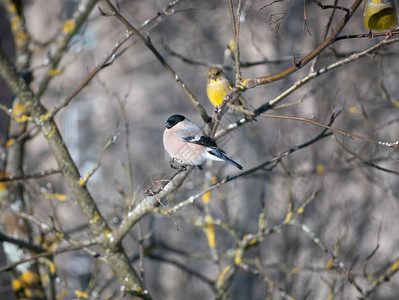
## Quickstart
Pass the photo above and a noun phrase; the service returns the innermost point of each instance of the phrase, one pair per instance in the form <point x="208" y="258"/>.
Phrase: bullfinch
<point x="188" y="145"/>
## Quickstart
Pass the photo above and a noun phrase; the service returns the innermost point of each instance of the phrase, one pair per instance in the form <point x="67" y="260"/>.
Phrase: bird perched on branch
<point x="188" y="145"/>
<point x="218" y="87"/>
<point x="380" y="15"/>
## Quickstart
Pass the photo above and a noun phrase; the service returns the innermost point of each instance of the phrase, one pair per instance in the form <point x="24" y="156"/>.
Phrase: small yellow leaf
<point x="69" y="26"/>
<point x="12" y="8"/>
<point x="10" y="142"/>
<point x="320" y="169"/>
<point x="288" y="217"/>
<point x="82" y="181"/>
<point x="222" y="275"/>
<point x="20" y="38"/>
<point x="28" y="293"/>
<point x="16" y="285"/>
<point x="52" y="247"/>
<point x="29" y="278"/>
<point x="15" y="23"/>
<point x="96" y="217"/>
<point x="353" y="110"/>
<point x="329" y="264"/>
<point x="57" y="196"/>
<point x="44" y="117"/>
<point x="262" y="222"/>
<point x="3" y="185"/>
<point x="395" y="103"/>
<point x="394" y="267"/>
<point x="22" y="118"/>
<point x="60" y="197"/>
<point x="52" y="268"/>
<point x="238" y="257"/>
<point x="295" y="270"/>
<point x="55" y="72"/>
<point x="206" y="197"/>
<point x="255" y="241"/>
<point x="210" y="232"/>
<point x="81" y="295"/>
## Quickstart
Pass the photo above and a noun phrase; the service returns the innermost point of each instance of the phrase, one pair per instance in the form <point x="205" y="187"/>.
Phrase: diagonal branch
<point x="114" y="257"/>
<point x="251" y="83"/>
<point x="146" y="206"/>
<point x="111" y="55"/>
<point x="312" y="75"/>
<point x="60" y="44"/>
<point x="151" y="47"/>
<point x="350" y="135"/>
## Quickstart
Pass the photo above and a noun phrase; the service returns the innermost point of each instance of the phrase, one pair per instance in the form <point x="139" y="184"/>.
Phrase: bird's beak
<point x="167" y="125"/>
<point x="213" y="77"/>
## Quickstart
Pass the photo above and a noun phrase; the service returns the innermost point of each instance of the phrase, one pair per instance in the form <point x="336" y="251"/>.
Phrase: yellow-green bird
<point x="380" y="15"/>
<point x="218" y="87"/>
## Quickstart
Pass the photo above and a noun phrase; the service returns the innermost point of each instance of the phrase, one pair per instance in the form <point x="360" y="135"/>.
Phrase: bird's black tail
<point x="224" y="157"/>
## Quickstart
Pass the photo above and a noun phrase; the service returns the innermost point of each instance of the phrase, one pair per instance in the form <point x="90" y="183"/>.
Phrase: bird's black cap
<point x="173" y="120"/>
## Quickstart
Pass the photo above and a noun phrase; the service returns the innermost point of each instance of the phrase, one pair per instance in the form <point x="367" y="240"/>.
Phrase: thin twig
<point x="339" y="264"/>
<point x="322" y="6"/>
<point x="251" y="83"/>
<point x="83" y="180"/>
<point x="270" y="163"/>
<point x="353" y="57"/>
<point x="353" y="136"/>
<point x="111" y="54"/>
<point x="325" y="33"/>
<point x="150" y="46"/>
<point x="228" y="98"/>
<point x="59" y="45"/>
<point x="365" y="35"/>
<point x="363" y="160"/>
<point x="30" y="176"/>
<point x="146" y="206"/>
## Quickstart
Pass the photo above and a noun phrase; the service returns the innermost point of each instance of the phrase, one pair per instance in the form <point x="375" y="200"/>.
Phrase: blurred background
<point x="353" y="213"/>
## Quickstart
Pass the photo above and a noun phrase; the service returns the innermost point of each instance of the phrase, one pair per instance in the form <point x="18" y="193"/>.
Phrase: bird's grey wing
<point x="202" y="140"/>
<point x="195" y="135"/>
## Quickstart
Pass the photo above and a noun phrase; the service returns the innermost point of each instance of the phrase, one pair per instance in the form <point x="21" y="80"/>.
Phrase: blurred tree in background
<point x="90" y="207"/>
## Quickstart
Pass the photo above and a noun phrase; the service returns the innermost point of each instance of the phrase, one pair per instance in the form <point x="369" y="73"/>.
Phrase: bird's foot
<point x="179" y="167"/>
<point x="371" y="35"/>
<point x="171" y="163"/>
<point x="250" y="118"/>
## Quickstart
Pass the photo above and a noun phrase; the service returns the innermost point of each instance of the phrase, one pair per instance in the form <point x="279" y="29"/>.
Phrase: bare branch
<point x="30" y="176"/>
<point x="353" y="136"/>
<point x="251" y="83"/>
<point x="150" y="46"/>
<point x="60" y="44"/>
